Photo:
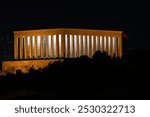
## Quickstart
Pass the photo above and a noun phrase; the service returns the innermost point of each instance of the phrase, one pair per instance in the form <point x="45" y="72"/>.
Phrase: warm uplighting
<point x="56" y="44"/>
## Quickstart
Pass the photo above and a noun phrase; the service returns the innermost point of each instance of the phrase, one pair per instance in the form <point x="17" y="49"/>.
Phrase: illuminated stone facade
<point x="61" y="43"/>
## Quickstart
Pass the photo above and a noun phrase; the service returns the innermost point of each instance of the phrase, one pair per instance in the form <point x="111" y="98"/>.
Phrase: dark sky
<point x="128" y="16"/>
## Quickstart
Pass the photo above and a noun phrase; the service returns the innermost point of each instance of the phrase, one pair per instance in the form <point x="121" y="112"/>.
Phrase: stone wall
<point x="25" y="65"/>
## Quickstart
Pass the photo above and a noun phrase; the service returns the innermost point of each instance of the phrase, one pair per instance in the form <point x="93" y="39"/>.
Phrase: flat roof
<point x="67" y="29"/>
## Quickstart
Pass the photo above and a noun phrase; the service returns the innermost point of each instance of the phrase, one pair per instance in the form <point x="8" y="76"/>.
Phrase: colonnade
<point x="66" y="43"/>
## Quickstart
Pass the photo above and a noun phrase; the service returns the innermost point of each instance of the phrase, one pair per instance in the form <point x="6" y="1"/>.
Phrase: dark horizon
<point x="99" y="77"/>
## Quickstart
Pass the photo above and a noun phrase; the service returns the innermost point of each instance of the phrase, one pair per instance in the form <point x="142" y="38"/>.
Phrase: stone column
<point x="28" y="47"/>
<point x="77" y="39"/>
<point x="47" y="49"/>
<point x="107" y="44"/>
<point x="91" y="46"/>
<point x="48" y="38"/>
<point x="22" y="48"/>
<point x="87" y="45"/>
<point x="97" y="43"/>
<point x="84" y="45"/>
<point x="21" y="53"/>
<point x="62" y="45"/>
<point x="38" y="49"/>
<point x="75" y="45"/>
<point x="71" y="45"/>
<point x="94" y="46"/>
<point x="57" y="46"/>
<point x="113" y="46"/>
<point x="79" y="45"/>
<point x="31" y="47"/>
<point x="54" y="45"/>
<point x="102" y="44"/>
<point x="51" y="46"/>
<point x="120" y="46"/>
<point x="110" y="47"/>
<point x="15" y="47"/>
<point x="66" y="51"/>
<point x="41" y="46"/>
<point x="25" y="47"/>
<point x="68" y="46"/>
<point x="35" y="47"/>
<point x="116" y="46"/>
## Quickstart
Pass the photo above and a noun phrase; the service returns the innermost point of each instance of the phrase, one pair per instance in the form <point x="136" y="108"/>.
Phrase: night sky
<point x="128" y="16"/>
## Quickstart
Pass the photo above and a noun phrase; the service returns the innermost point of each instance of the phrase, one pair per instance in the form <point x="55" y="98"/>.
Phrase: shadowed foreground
<point x="83" y="78"/>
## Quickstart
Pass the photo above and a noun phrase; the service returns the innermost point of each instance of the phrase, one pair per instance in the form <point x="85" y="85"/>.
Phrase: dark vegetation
<point x="83" y="78"/>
